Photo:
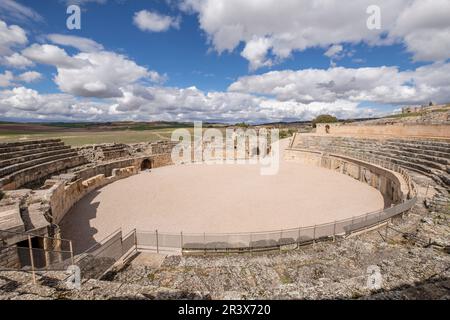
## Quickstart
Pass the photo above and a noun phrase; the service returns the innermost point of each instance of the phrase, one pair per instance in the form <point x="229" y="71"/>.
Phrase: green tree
<point x="324" y="118"/>
<point x="242" y="125"/>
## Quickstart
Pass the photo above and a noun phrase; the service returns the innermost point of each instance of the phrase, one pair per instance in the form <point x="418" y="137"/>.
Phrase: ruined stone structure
<point x="42" y="180"/>
<point x="59" y="176"/>
<point x="389" y="128"/>
<point x="427" y="157"/>
<point x="22" y="163"/>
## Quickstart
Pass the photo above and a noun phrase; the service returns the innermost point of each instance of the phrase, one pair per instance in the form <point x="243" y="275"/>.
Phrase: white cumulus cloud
<point x="274" y="29"/>
<point x="6" y="78"/>
<point x="11" y="36"/>
<point x="29" y="76"/>
<point x="154" y="22"/>
<point x="80" y="43"/>
<point x="383" y="84"/>
<point x="16" y="60"/>
<point x="52" y="55"/>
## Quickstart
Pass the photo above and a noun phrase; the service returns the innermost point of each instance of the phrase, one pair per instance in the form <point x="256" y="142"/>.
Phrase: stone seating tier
<point x="431" y="158"/>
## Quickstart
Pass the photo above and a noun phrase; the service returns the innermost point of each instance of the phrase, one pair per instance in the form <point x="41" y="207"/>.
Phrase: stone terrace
<point x="23" y="163"/>
<point x="426" y="157"/>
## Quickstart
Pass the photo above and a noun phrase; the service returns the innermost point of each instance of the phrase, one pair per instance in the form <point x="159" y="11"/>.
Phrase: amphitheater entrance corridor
<point x="146" y="164"/>
<point x="23" y="252"/>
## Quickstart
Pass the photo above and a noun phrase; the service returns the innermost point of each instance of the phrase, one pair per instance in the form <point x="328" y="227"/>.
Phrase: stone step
<point x="422" y="142"/>
<point x="437" y="175"/>
<point x="419" y="144"/>
<point x="417" y="160"/>
<point x="444" y="149"/>
<point x="32" y="156"/>
<point x="400" y="155"/>
<point x="443" y="152"/>
<point x="382" y="156"/>
<point x="39" y="171"/>
<point x="437" y="154"/>
<point x="428" y="155"/>
<point x="17" y="167"/>
<point x="37" y="145"/>
<point x="424" y="156"/>
<point x="11" y="155"/>
<point x="28" y="142"/>
<point x="445" y="178"/>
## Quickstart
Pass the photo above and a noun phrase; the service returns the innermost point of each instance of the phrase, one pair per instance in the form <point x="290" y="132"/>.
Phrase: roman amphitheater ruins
<point x="346" y="196"/>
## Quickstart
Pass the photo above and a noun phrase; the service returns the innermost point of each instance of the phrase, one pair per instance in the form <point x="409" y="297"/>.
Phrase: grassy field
<point x="77" y="134"/>
<point x="91" y="137"/>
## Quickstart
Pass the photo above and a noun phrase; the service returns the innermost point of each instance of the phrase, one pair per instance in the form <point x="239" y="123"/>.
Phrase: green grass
<point x="404" y="115"/>
<point x="418" y="114"/>
<point x="86" y="137"/>
<point x="78" y="138"/>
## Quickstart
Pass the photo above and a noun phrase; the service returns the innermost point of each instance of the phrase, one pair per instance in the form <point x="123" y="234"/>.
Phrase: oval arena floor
<point x="218" y="199"/>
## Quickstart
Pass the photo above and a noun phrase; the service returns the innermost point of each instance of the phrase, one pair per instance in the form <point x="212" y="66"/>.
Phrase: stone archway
<point x="327" y="128"/>
<point x="146" y="164"/>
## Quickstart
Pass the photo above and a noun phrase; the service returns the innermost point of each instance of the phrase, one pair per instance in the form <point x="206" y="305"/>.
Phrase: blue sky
<point x="221" y="60"/>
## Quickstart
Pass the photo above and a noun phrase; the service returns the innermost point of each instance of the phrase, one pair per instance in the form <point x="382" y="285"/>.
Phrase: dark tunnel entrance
<point x="146" y="164"/>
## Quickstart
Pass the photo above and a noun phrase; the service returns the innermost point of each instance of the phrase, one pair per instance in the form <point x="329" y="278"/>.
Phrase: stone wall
<point x="397" y="130"/>
<point x="391" y="184"/>
<point x="9" y="258"/>
<point x="23" y="177"/>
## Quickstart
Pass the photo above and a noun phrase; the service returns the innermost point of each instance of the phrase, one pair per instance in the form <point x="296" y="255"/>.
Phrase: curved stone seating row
<point x="26" y="143"/>
<point x="16" y="154"/>
<point x="432" y="147"/>
<point x="422" y="142"/>
<point x="431" y="158"/>
<point x="423" y="152"/>
<point x="35" y="145"/>
<point x="27" y="162"/>
<point x="27" y="175"/>
<point x="424" y="159"/>
<point x="45" y="153"/>
<point x="31" y="163"/>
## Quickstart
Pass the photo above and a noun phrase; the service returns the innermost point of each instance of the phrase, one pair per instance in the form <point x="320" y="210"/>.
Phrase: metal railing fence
<point x="259" y="241"/>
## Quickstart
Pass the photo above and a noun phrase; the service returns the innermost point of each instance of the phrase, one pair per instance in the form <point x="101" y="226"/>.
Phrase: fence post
<point x="157" y="241"/>
<point x="351" y="228"/>
<point x="31" y="259"/>
<point x="281" y="237"/>
<point x="71" y="252"/>
<point x="386" y="231"/>
<point x="334" y="231"/>
<point x="181" y="240"/>
<point x="314" y="234"/>
<point x="204" y="243"/>
<point x="46" y="252"/>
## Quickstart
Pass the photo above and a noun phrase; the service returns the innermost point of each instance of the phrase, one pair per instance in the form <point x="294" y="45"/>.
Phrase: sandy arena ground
<point x="218" y="199"/>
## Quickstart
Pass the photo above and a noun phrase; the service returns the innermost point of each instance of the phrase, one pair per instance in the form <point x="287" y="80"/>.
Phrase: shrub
<point x="287" y="133"/>
<point x="242" y="125"/>
<point x="324" y="118"/>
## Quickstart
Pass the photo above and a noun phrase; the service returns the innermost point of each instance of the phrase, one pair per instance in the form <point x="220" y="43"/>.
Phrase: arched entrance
<point x="146" y="164"/>
<point x="327" y="128"/>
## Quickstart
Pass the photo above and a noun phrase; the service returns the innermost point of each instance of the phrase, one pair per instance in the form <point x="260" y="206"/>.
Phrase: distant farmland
<point x="89" y="133"/>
